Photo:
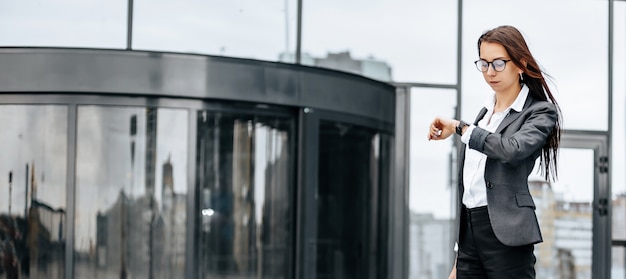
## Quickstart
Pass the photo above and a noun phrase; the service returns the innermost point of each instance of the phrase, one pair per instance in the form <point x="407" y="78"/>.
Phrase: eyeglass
<point x="498" y="65"/>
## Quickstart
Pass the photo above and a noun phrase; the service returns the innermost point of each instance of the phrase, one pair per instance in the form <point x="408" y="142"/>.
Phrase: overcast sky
<point x="417" y="38"/>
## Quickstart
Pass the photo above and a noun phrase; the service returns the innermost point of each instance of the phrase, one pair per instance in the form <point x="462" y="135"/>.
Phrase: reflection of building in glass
<point x="231" y="234"/>
<point x="566" y="264"/>
<point x="135" y="235"/>
<point x="173" y="216"/>
<point x="567" y="233"/>
<point x="370" y="67"/>
<point x="273" y="231"/>
<point x="243" y="190"/>
<point x="573" y="229"/>
<point x="545" y="208"/>
<point x="431" y="250"/>
<point x="33" y="245"/>
<point x="245" y="209"/>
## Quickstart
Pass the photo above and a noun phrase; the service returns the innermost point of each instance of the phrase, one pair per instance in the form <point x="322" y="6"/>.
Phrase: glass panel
<point x="33" y="202"/>
<point x="251" y="29"/>
<point x="64" y="23"/>
<point x="131" y="192"/>
<point x="565" y="213"/>
<point x="393" y="40"/>
<point x="618" y="262"/>
<point x="618" y="173"/>
<point x="433" y="190"/>
<point x="578" y="88"/>
<point x="350" y="244"/>
<point x="245" y="166"/>
<point x="618" y="160"/>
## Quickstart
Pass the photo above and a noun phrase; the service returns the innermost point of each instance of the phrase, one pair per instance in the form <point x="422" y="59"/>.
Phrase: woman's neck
<point x="504" y="99"/>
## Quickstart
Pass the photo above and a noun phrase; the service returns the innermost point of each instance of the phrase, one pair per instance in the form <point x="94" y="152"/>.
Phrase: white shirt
<point x="475" y="194"/>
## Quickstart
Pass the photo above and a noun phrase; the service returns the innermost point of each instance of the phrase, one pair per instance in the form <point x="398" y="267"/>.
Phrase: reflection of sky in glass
<point x="172" y="141"/>
<point x="37" y="136"/>
<point x="262" y="146"/>
<point x="268" y="149"/>
<point x="103" y="166"/>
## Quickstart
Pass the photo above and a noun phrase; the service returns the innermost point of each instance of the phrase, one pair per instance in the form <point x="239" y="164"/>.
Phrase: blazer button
<point x="489" y="185"/>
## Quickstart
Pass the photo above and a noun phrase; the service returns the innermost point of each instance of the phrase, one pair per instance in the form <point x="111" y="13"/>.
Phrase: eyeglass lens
<point x="498" y="65"/>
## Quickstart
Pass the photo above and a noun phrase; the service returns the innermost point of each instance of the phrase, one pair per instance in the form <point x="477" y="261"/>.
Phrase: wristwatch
<point x="459" y="128"/>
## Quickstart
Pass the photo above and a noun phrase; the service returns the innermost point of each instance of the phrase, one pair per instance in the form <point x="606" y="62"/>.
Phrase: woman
<point x="518" y="124"/>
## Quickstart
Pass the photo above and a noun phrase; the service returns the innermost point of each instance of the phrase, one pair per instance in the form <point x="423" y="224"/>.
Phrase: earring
<point x="521" y="77"/>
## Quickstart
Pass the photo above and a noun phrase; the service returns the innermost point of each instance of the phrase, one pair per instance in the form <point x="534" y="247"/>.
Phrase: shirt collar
<point x="517" y="105"/>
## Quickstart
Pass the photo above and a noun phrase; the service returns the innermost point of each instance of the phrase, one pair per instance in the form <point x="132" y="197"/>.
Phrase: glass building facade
<point x="285" y="139"/>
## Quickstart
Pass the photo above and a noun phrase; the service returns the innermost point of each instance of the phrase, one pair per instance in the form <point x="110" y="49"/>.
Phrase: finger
<point x="433" y="129"/>
<point x="432" y="132"/>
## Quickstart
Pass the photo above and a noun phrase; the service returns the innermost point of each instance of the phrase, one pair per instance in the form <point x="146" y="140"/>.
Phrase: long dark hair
<point x="513" y="41"/>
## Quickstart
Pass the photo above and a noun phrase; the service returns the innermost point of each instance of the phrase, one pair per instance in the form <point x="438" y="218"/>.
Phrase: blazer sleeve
<point x="530" y="133"/>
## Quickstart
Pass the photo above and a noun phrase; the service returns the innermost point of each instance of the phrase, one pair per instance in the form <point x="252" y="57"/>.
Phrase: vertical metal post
<point x="70" y="174"/>
<point x="459" y="57"/>
<point x="459" y="81"/>
<point x="458" y="112"/>
<point x="307" y="203"/>
<point x="10" y="190"/>
<point x="299" y="34"/>
<point x="129" y="32"/>
<point x="398" y="260"/>
<point x="608" y="195"/>
<point x="26" y="193"/>
<point x="193" y="261"/>
<point x="286" y="26"/>
<point x="150" y="170"/>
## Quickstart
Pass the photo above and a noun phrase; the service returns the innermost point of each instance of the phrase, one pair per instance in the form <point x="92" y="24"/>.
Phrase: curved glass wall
<point x="131" y="192"/>
<point x="33" y="192"/>
<point x="245" y="181"/>
<point x="200" y="175"/>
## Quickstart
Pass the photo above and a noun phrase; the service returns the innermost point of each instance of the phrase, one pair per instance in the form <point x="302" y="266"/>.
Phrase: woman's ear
<point x="525" y="64"/>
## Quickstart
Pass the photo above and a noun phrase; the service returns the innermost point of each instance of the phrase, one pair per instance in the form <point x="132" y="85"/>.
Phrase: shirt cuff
<point x="465" y="138"/>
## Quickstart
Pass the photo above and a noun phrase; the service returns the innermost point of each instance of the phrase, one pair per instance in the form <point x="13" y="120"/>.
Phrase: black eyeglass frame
<point x="490" y="64"/>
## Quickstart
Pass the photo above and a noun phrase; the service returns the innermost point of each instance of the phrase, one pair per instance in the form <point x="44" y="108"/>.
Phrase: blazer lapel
<point x="480" y="116"/>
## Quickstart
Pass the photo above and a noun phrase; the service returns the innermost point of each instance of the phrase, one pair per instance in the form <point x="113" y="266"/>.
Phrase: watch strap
<point x="459" y="128"/>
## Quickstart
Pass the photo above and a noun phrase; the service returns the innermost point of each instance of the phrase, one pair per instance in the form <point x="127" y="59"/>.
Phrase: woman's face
<point x="506" y="80"/>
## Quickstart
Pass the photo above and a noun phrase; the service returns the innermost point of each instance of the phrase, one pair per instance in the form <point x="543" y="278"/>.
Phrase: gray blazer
<point x="511" y="154"/>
